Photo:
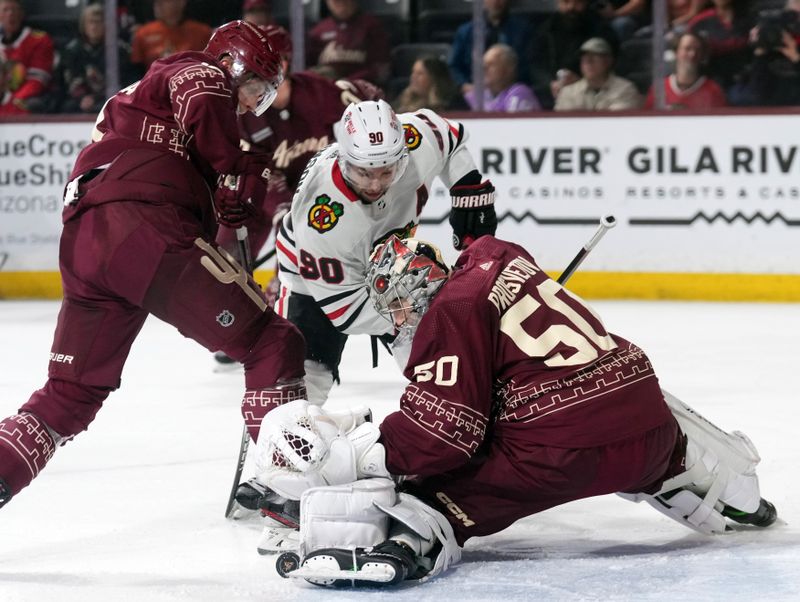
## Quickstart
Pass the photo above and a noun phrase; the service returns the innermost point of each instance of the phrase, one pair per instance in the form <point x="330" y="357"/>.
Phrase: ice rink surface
<point x="133" y="508"/>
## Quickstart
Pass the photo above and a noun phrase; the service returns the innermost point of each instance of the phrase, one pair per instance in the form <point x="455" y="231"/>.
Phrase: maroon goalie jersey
<point x="506" y="349"/>
<point x="164" y="139"/>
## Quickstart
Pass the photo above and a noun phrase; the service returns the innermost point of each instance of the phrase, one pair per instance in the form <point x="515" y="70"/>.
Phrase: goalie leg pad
<point x="685" y="507"/>
<point x="346" y="537"/>
<point x="719" y="480"/>
<point x="345" y="516"/>
<point x="720" y="466"/>
<point x="426" y="531"/>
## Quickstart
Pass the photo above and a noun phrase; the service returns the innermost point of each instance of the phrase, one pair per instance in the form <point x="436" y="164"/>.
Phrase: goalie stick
<point x="244" y="443"/>
<point x="606" y="223"/>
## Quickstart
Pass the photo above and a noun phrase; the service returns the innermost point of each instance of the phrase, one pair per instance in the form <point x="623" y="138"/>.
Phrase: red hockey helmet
<point x="250" y="53"/>
<point x="279" y="39"/>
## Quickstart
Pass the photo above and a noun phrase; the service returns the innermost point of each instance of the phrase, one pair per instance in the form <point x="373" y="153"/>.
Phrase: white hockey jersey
<point x="325" y="241"/>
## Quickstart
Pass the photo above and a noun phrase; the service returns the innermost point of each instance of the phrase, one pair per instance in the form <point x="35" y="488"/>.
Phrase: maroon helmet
<point x="250" y="53"/>
<point x="279" y="39"/>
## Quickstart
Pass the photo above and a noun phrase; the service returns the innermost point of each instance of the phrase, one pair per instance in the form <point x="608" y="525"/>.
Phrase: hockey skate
<point x="764" y="516"/>
<point x="5" y="493"/>
<point x="254" y="496"/>
<point x="282" y="517"/>
<point x="386" y="564"/>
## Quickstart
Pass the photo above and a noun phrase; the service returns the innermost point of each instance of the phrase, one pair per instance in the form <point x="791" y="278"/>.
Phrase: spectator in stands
<point x="725" y="27"/>
<point x="257" y="12"/>
<point x="350" y="43"/>
<point x="81" y="72"/>
<point x="126" y="21"/>
<point x="688" y="87"/>
<point x="430" y="87"/>
<point x="773" y="78"/>
<point x="501" y="28"/>
<point x="599" y="89"/>
<point x="502" y="92"/>
<point x="171" y="32"/>
<point x="680" y="12"/>
<point x="555" y="59"/>
<point x="624" y="16"/>
<point x="27" y="55"/>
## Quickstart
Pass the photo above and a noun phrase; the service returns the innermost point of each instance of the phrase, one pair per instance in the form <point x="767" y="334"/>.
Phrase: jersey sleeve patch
<point x="324" y="214"/>
<point x="412" y="136"/>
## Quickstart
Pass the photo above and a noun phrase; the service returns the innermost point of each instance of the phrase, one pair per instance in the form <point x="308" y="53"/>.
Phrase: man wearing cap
<point x="599" y="89"/>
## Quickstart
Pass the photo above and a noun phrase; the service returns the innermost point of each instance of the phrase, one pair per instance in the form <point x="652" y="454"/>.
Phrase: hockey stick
<point x="264" y="258"/>
<point x="606" y="223"/>
<point x="244" y="443"/>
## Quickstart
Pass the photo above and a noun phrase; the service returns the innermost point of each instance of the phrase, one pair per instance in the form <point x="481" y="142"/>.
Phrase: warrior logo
<point x="324" y="215"/>
<point x="226" y="318"/>
<point x="413" y="137"/>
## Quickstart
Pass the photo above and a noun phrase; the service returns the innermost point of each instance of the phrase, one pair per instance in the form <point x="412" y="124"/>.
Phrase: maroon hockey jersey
<point x="165" y="138"/>
<point x="505" y="349"/>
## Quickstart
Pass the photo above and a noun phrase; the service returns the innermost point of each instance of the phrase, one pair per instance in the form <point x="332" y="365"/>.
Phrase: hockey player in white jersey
<point x="373" y="182"/>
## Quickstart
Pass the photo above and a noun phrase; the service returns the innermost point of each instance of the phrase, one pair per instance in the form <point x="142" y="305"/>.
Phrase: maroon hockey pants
<point x="518" y="478"/>
<point x="120" y="262"/>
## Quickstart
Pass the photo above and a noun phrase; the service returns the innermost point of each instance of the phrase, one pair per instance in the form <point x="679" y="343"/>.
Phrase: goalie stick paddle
<point x="606" y="223"/>
<point x="244" y="444"/>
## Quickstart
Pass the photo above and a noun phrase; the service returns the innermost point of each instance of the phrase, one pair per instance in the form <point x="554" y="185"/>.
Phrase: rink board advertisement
<point x="691" y="194"/>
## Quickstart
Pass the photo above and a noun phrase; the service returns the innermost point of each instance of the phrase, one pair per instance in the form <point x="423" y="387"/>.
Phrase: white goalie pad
<point x="720" y="470"/>
<point x="430" y="526"/>
<point x="345" y="516"/>
<point x="366" y="513"/>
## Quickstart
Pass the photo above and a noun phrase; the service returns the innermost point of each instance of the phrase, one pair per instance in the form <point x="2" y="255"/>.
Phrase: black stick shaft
<point x="606" y="223"/>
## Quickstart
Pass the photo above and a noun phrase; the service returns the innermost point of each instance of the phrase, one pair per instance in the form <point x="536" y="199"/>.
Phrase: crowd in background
<point x="562" y="55"/>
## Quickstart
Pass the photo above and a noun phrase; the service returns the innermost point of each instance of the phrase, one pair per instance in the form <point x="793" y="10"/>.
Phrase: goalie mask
<point x="403" y="277"/>
<point x="255" y="66"/>
<point x="372" y="148"/>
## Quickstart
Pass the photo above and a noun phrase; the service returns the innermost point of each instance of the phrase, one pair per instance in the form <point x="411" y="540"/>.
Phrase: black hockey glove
<point x="472" y="214"/>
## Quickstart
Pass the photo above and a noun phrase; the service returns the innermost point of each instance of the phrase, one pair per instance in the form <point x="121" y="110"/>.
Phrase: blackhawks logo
<point x="413" y="137"/>
<point x="324" y="215"/>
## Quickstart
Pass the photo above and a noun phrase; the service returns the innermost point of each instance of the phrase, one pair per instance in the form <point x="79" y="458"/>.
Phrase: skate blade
<point x="371" y="572"/>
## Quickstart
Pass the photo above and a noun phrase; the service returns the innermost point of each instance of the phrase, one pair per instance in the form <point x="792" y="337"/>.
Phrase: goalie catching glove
<point x="237" y="196"/>
<point x="472" y="214"/>
<point x="301" y="446"/>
